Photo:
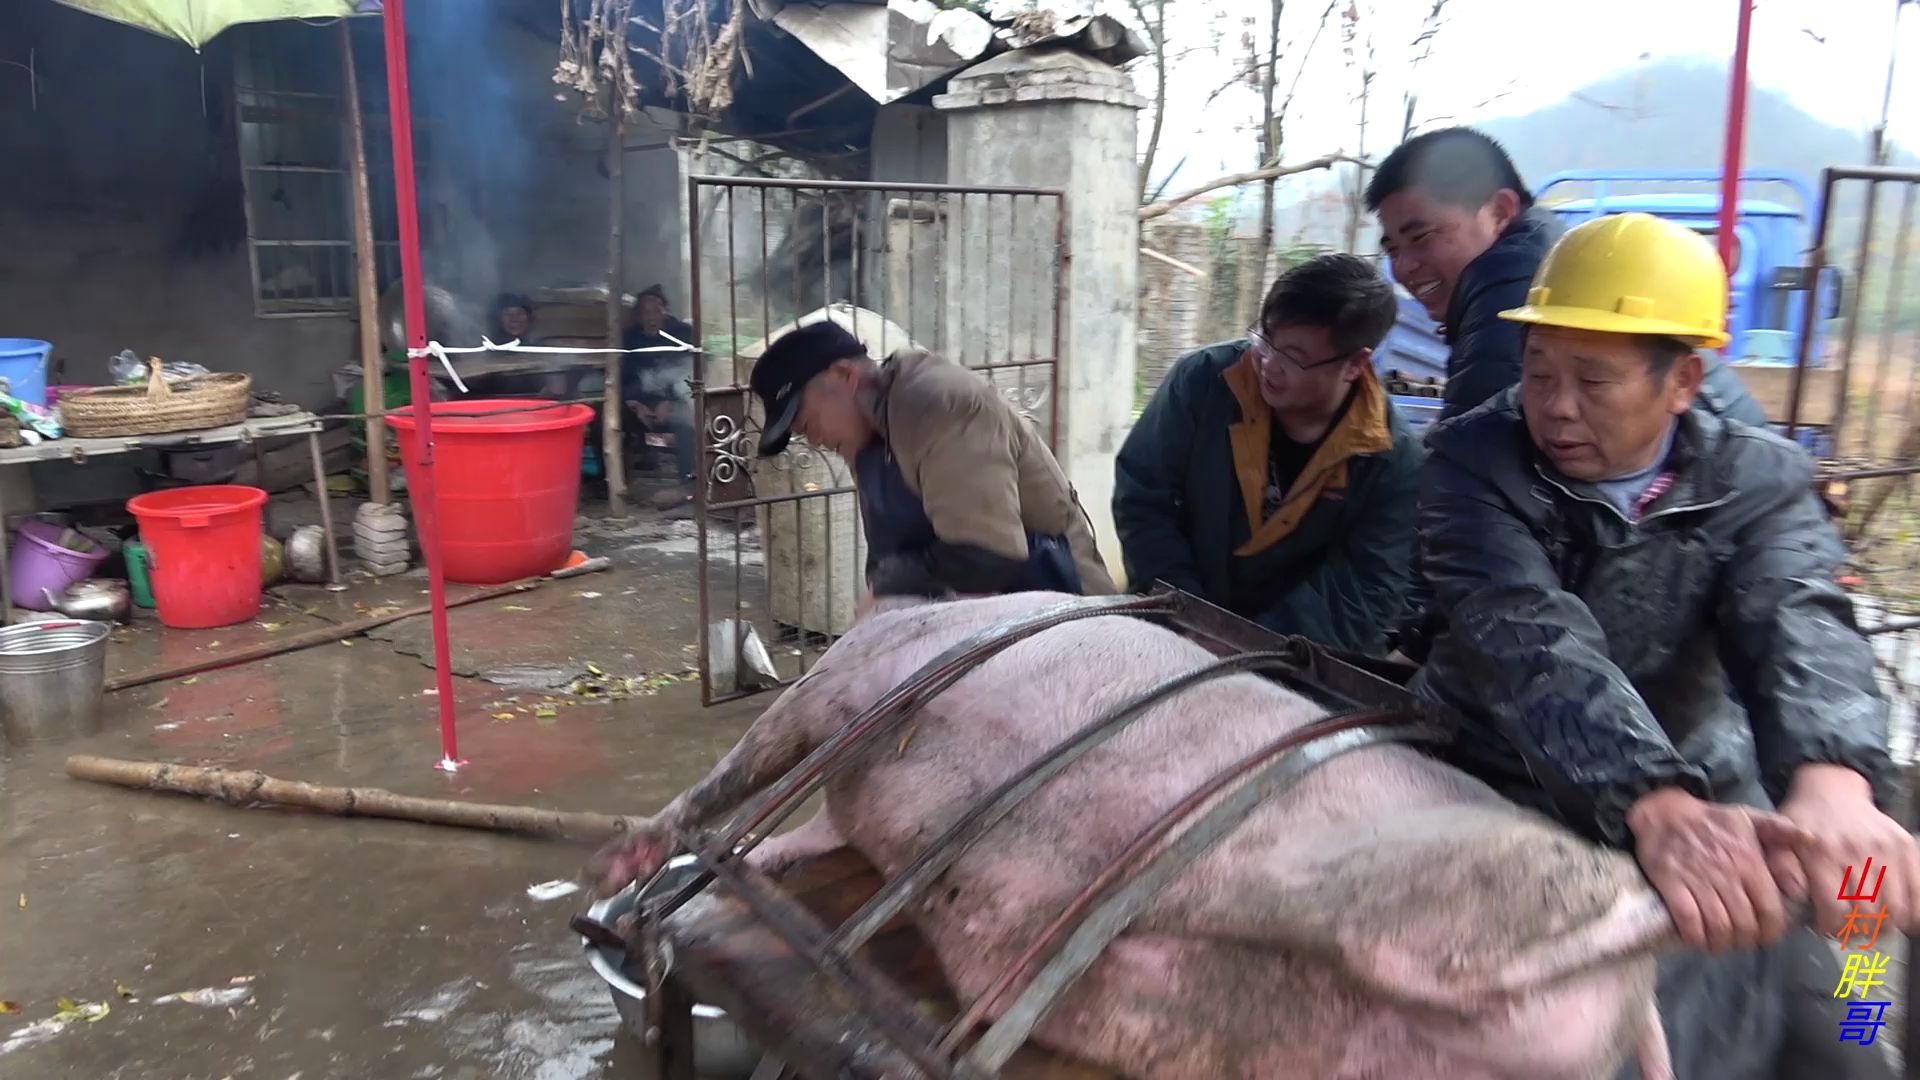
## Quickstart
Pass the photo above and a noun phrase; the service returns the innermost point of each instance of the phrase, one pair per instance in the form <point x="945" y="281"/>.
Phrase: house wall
<point x="121" y="216"/>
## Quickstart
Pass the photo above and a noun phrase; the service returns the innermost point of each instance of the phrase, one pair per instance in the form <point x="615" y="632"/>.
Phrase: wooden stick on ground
<point x="244" y="788"/>
<point x="307" y="639"/>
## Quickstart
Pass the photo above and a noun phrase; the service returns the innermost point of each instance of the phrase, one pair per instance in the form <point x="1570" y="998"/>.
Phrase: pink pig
<point x="1387" y="916"/>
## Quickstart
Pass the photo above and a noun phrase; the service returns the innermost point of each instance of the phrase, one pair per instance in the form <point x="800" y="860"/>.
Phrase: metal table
<point x="245" y="433"/>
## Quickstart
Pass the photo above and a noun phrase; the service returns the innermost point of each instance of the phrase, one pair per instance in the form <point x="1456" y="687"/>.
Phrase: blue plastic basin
<point x="23" y="366"/>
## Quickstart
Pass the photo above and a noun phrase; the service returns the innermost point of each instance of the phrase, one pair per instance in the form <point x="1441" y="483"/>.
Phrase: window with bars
<point x="292" y="140"/>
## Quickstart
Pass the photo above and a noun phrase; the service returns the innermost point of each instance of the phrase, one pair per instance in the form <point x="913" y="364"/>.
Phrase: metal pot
<point x="307" y="554"/>
<point x="96" y="599"/>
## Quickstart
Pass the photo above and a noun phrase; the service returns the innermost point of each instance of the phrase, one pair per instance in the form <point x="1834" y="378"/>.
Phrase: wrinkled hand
<point x="630" y="857"/>
<point x="1709" y="864"/>
<point x="1834" y="807"/>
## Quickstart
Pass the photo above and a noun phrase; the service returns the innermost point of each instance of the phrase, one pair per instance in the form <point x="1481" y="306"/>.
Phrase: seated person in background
<point x="1271" y="476"/>
<point x="654" y="385"/>
<point x="512" y="317"/>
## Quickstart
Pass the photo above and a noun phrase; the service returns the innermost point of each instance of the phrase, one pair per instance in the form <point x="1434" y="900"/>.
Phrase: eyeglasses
<point x="1268" y="352"/>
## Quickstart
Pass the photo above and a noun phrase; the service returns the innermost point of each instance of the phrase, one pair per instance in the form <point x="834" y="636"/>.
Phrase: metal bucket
<point x="721" y="1050"/>
<point x="53" y="676"/>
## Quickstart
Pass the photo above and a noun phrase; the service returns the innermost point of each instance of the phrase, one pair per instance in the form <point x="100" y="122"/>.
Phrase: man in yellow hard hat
<point x="1638" y="615"/>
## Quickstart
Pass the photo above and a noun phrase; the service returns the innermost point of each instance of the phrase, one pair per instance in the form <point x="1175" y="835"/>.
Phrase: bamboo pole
<point x="373" y="368"/>
<point x="612" y="441"/>
<point x="248" y="787"/>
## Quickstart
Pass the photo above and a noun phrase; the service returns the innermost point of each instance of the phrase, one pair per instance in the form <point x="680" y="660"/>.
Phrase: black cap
<point x="786" y="367"/>
<point x="653" y="291"/>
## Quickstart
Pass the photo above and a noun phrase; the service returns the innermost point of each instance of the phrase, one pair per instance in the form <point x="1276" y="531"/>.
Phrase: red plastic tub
<point x="508" y="484"/>
<point x="203" y="544"/>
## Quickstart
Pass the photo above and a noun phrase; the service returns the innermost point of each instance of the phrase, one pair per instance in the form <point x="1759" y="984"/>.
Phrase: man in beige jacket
<point x="958" y="495"/>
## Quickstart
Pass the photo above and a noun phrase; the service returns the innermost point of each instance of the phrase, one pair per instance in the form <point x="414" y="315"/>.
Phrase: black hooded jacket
<point x="1483" y="355"/>
<point x="1595" y="654"/>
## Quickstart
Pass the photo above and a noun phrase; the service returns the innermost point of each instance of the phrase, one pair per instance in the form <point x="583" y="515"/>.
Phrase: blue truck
<point x="1770" y="295"/>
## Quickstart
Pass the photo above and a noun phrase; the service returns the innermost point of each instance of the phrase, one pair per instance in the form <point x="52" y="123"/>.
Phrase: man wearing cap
<point x="958" y="495"/>
<point x="1639" y="620"/>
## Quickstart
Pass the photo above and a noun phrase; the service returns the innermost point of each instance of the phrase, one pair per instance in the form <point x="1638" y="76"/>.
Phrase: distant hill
<point x="1671" y="114"/>
<point x="1665" y="114"/>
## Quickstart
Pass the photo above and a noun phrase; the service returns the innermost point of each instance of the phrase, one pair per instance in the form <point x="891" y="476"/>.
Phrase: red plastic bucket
<point x="203" y="544"/>
<point x="508" y="484"/>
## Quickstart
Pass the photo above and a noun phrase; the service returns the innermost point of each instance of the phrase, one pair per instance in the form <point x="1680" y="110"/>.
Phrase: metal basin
<point x="52" y="679"/>
<point x="720" y="1048"/>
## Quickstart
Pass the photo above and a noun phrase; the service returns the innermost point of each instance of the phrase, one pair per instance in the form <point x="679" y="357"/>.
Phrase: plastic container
<point x="53" y="676"/>
<point x="508" y="484"/>
<point x="23" y="364"/>
<point x="202" y="553"/>
<point x="37" y="562"/>
<point x="138" y="580"/>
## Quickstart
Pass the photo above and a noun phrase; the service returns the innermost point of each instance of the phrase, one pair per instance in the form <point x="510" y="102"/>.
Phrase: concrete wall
<point x="1062" y="120"/>
<point x="121" y="216"/>
<point x="909" y="145"/>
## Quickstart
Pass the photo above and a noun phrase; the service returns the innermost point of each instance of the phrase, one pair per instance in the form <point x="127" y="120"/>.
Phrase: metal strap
<point x="890" y="1011"/>
<point x="1273" y="769"/>
<point x="787" y="794"/>
<point x="988" y="812"/>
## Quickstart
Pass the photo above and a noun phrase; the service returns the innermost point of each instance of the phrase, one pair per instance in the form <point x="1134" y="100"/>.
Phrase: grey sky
<point x="1537" y="50"/>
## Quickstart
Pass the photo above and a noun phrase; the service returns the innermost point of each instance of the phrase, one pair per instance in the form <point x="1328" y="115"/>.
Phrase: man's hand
<point x="1833" y="806"/>
<point x="1709" y="864"/>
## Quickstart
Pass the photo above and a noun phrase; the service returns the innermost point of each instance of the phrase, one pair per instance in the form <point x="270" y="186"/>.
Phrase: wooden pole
<point x="612" y="442"/>
<point x="373" y="368"/>
<point x="246" y="787"/>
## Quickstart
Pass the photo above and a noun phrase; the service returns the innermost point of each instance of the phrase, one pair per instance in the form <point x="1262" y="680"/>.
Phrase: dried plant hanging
<point x="697" y="60"/>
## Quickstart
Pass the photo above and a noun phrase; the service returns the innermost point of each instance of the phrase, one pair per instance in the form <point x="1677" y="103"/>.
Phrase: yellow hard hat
<point x="1631" y="274"/>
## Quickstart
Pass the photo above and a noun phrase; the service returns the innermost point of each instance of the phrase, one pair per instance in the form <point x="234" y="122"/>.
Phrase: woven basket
<point x="205" y="401"/>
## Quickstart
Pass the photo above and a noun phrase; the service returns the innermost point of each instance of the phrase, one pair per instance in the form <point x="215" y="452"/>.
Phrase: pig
<point x="1386" y="916"/>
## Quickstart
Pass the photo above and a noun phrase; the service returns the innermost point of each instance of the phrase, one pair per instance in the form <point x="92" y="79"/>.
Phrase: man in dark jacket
<point x="1271" y="475"/>
<point x="1465" y="238"/>
<point x="1609" y="559"/>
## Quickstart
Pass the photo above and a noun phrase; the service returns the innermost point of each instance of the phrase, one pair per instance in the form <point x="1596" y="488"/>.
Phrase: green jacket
<point x="1331" y="564"/>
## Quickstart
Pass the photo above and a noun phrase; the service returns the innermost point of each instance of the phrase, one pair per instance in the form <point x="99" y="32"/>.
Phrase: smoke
<point x="667" y="375"/>
<point x="474" y="132"/>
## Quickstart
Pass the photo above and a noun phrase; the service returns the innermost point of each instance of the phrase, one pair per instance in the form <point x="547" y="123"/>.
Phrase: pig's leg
<point x="773" y="745"/>
<point x="1651" y="1049"/>
<point x="817" y="837"/>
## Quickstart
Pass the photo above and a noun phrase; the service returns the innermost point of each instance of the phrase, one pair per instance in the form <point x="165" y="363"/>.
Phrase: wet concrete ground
<point x="373" y="948"/>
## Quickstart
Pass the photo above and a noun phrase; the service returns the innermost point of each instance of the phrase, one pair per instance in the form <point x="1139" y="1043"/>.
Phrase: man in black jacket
<point x="1609" y="560"/>
<point x="1465" y="238"/>
<point x="1271" y="476"/>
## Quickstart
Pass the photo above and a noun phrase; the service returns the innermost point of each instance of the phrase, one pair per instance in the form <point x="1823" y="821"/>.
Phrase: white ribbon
<point x="440" y="352"/>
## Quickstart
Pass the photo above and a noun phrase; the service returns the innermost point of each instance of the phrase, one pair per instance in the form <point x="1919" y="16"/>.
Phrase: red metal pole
<point x="1736" y="134"/>
<point x="426" y="505"/>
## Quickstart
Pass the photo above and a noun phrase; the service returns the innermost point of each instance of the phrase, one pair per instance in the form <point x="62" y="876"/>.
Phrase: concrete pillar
<point x="1058" y="119"/>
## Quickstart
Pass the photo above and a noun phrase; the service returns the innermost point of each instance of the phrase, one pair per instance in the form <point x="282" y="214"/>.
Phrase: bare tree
<point x="1354" y="44"/>
<point x="1270" y="134"/>
<point x="1152" y="16"/>
<point x="1423" y="44"/>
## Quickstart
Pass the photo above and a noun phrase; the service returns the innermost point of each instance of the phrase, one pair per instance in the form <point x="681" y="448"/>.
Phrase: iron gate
<point x="1857" y="377"/>
<point x="974" y="273"/>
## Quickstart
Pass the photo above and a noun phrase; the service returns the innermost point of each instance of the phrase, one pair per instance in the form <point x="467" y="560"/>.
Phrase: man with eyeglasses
<point x="1271" y="476"/>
